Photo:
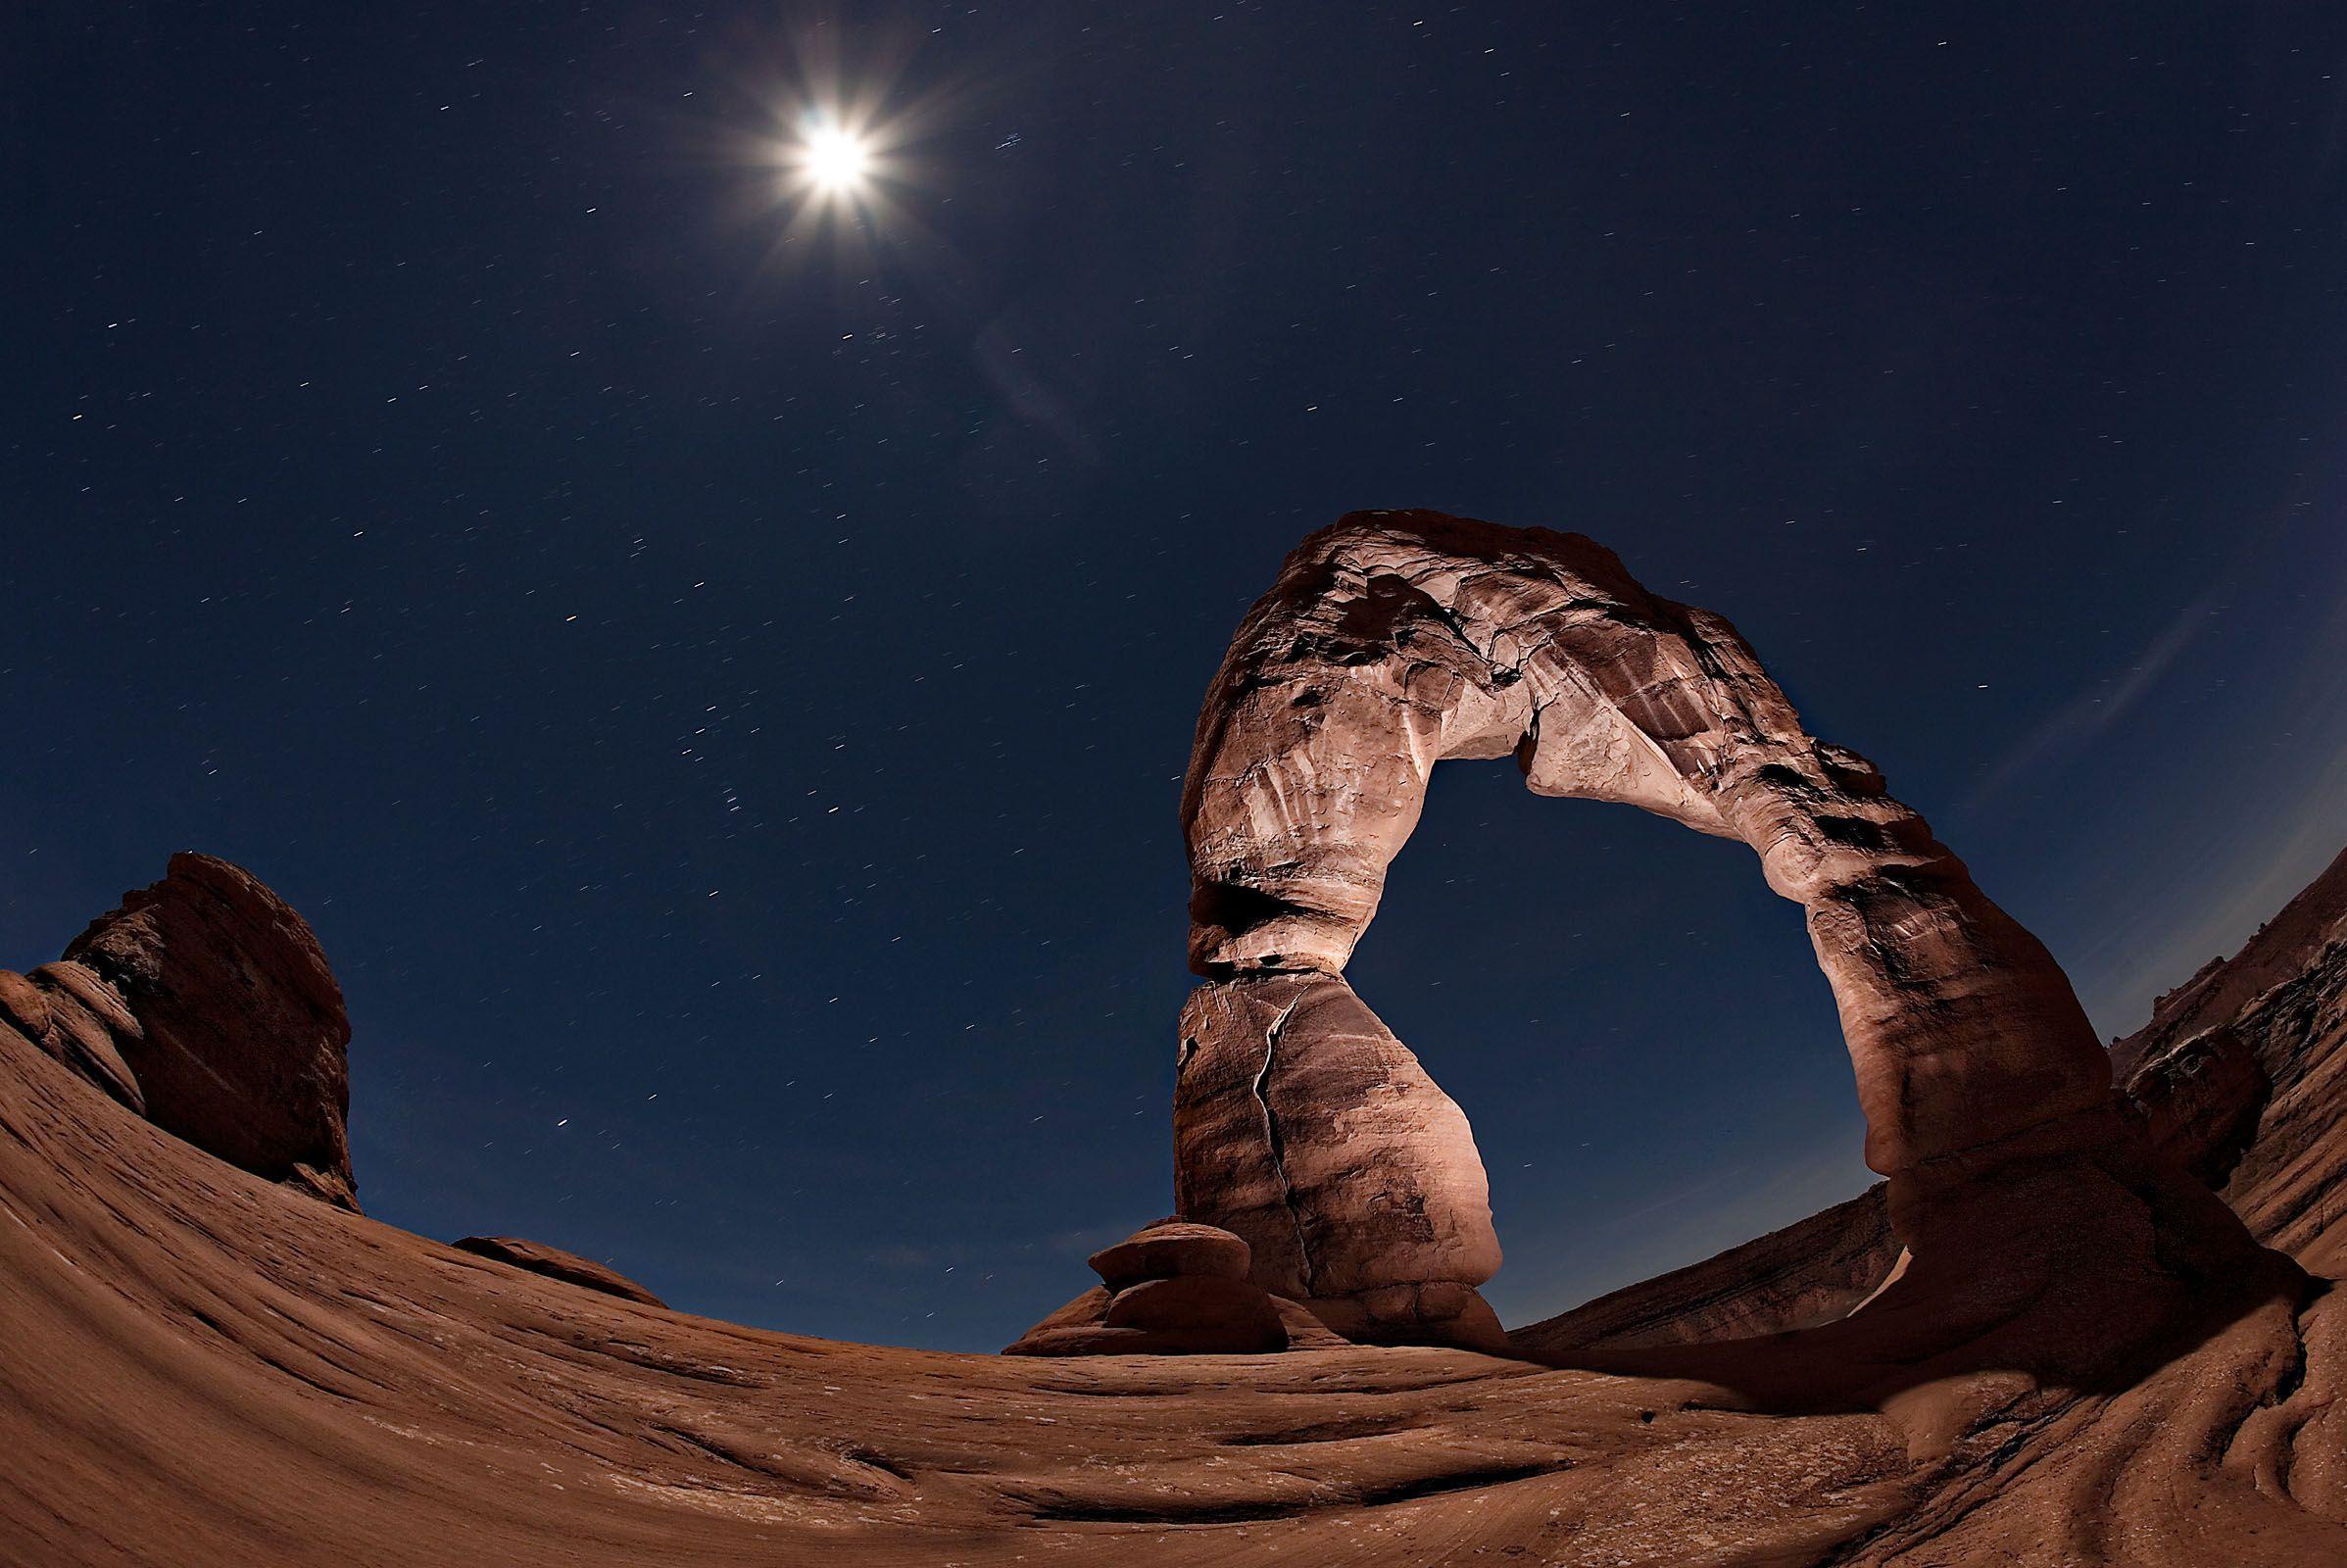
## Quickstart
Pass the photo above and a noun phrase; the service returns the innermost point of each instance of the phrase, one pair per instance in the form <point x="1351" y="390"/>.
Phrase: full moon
<point x="836" y="160"/>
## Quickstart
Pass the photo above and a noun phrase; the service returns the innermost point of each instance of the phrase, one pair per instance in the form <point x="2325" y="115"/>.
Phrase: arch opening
<point x="1633" y="1026"/>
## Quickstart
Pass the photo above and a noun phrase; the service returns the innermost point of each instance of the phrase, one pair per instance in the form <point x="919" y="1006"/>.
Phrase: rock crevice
<point x="1275" y="1144"/>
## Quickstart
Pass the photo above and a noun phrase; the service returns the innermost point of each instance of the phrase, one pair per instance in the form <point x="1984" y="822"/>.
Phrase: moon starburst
<point x="834" y="160"/>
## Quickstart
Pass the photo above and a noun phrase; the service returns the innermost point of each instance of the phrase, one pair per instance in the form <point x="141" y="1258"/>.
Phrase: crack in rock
<point x="1277" y="1146"/>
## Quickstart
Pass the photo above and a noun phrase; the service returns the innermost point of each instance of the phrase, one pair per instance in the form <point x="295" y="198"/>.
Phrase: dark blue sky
<point x="720" y="690"/>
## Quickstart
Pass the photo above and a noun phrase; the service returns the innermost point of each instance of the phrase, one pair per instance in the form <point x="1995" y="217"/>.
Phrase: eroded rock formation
<point x="1174" y="1288"/>
<point x="207" y="1369"/>
<point x="2242" y="1073"/>
<point x="205" y="1005"/>
<point x="2283" y="951"/>
<point x="1294" y="1107"/>
<point x="557" y="1264"/>
<point x="1397" y="640"/>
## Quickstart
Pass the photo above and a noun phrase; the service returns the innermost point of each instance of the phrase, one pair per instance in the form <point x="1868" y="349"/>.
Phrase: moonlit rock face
<point x="1171" y="1248"/>
<point x="205" y="1005"/>
<point x="1302" y="1124"/>
<point x="1395" y="640"/>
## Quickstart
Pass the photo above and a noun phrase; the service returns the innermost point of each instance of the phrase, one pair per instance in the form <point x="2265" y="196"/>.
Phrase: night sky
<point x="715" y="666"/>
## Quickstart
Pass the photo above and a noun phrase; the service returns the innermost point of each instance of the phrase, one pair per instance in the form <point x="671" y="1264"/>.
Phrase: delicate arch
<point x="1395" y="640"/>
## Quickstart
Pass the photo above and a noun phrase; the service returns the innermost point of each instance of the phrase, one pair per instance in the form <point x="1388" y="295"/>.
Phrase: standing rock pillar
<point x="1304" y="1126"/>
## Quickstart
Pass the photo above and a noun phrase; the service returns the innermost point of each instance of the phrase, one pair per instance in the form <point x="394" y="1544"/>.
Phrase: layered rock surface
<point x="204" y="1003"/>
<point x="2280" y="952"/>
<point x="1810" y="1273"/>
<point x="209" y="1370"/>
<point x="1172" y="1249"/>
<point x="557" y="1264"/>
<point x="1296" y="1111"/>
<point x="2242" y="1073"/>
<point x="1395" y="640"/>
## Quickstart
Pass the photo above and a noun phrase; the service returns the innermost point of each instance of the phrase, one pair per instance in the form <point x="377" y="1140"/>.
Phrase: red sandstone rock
<point x="2241" y="1075"/>
<point x="1171" y="1247"/>
<point x="46" y="1007"/>
<point x="1800" y="1276"/>
<point x="1181" y="1316"/>
<point x="2198" y="1100"/>
<point x="2280" y="952"/>
<point x="1173" y="1289"/>
<point x="24" y="1006"/>
<point x="1303" y="1125"/>
<point x="1089" y="1340"/>
<point x="1395" y="640"/>
<point x="240" y="1037"/>
<point x="1234" y="1309"/>
<point x="2201" y="1080"/>
<point x="1421" y="1312"/>
<point x="1305" y="1331"/>
<point x="1085" y="1312"/>
<point x="1080" y="1328"/>
<point x="293" y="1386"/>
<point x="100" y="1000"/>
<point x="555" y="1264"/>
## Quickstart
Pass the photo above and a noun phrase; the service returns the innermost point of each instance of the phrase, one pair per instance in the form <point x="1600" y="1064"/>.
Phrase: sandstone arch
<point x="1395" y="640"/>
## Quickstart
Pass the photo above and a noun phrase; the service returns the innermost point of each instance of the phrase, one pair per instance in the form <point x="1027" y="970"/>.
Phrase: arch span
<point x="1395" y="640"/>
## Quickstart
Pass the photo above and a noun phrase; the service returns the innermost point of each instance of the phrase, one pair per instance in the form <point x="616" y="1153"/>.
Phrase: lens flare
<point x="839" y="161"/>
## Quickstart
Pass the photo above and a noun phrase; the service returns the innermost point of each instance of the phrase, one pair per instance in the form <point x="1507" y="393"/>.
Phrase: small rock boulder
<point x="1172" y="1249"/>
<point x="1175" y="1288"/>
<point x="1084" y="1313"/>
